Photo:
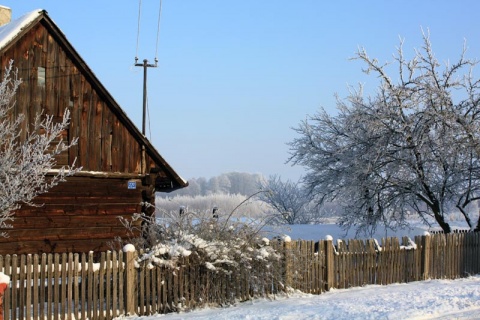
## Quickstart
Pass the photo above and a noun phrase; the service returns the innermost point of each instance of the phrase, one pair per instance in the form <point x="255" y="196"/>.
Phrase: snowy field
<point x="320" y="231"/>
<point x="434" y="299"/>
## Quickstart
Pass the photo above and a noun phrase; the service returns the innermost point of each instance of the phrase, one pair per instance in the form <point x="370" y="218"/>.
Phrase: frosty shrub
<point x="219" y="245"/>
<point x="27" y="157"/>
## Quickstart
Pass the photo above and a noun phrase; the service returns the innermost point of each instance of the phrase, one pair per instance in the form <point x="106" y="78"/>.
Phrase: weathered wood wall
<point x="105" y="144"/>
<point x="81" y="214"/>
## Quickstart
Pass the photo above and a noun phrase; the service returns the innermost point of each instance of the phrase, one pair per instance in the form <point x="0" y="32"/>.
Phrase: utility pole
<point x="145" y="66"/>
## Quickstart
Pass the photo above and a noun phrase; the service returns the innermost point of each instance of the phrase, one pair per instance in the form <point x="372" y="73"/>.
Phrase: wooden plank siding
<point x="81" y="214"/>
<point x="102" y="146"/>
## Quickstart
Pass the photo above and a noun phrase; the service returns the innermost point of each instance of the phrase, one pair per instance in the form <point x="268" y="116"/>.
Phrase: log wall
<point x="80" y="215"/>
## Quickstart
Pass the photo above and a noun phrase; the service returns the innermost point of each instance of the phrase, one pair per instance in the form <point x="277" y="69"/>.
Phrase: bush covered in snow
<point x="220" y="243"/>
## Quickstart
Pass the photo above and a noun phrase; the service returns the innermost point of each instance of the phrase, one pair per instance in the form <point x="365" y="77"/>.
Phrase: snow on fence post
<point x="287" y="263"/>
<point x="4" y="281"/>
<point x="130" y="278"/>
<point x="329" y="262"/>
<point x="426" y="244"/>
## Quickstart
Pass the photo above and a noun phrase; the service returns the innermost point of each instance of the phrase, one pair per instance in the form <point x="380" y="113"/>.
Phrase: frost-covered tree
<point x="288" y="200"/>
<point x="26" y="157"/>
<point x="201" y="207"/>
<point x="228" y="183"/>
<point x="412" y="147"/>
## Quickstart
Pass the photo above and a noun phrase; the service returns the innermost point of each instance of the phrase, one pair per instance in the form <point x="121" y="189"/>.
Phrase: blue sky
<point x="234" y="77"/>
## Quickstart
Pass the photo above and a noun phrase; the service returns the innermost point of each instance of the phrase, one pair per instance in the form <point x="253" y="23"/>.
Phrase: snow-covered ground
<point x="320" y="231"/>
<point x="434" y="299"/>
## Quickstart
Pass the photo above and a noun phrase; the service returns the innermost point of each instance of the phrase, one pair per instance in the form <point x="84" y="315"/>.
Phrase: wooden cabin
<point x="81" y="214"/>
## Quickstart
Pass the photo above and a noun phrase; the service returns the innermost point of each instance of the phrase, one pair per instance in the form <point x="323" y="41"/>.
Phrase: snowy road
<point x="435" y="299"/>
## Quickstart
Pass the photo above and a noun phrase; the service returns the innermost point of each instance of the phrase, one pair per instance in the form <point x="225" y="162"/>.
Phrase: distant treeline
<point x="227" y="183"/>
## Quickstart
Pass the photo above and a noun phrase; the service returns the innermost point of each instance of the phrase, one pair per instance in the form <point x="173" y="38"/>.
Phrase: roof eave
<point x="39" y="16"/>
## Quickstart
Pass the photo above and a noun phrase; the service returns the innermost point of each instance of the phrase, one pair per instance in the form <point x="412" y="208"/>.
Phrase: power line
<point x="145" y="66"/>
<point x="158" y="30"/>
<point x="138" y="28"/>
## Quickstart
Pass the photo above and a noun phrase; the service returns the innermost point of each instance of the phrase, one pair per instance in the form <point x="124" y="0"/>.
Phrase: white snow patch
<point x="4" y="278"/>
<point x="129" y="248"/>
<point x="377" y="246"/>
<point x="9" y="31"/>
<point x="434" y="299"/>
<point x="411" y="245"/>
<point x="210" y="266"/>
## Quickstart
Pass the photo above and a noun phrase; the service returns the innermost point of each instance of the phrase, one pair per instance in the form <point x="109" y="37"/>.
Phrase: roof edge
<point x="21" y="25"/>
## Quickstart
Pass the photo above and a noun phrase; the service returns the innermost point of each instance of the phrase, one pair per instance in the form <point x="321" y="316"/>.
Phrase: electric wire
<point x="158" y="31"/>
<point x="156" y="55"/>
<point x="138" y="27"/>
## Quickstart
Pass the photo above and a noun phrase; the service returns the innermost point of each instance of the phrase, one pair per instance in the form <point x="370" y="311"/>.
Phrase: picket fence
<point x="84" y="286"/>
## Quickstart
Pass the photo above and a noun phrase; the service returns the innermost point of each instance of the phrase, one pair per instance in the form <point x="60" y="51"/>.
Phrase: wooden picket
<point x="109" y="284"/>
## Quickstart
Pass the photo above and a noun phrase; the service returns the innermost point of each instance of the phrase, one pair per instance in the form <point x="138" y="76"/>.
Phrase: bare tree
<point x="413" y="147"/>
<point x="288" y="200"/>
<point x="26" y="158"/>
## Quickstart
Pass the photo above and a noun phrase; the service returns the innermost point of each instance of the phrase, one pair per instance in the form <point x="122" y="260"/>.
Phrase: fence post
<point x="130" y="278"/>
<point x="287" y="264"/>
<point x="329" y="263"/>
<point x="426" y="244"/>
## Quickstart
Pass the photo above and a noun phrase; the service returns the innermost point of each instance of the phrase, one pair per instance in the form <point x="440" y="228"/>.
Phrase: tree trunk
<point x="436" y="209"/>
<point x="439" y="218"/>
<point x="442" y="223"/>
<point x="477" y="228"/>
<point x="466" y="216"/>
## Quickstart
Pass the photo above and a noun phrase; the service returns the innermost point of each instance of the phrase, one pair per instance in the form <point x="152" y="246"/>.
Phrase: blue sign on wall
<point x="132" y="185"/>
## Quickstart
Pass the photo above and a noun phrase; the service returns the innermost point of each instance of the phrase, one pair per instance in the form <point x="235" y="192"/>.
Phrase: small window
<point x="41" y="77"/>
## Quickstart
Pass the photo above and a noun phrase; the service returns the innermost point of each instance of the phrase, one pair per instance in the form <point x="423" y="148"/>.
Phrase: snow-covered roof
<point x="9" y="31"/>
